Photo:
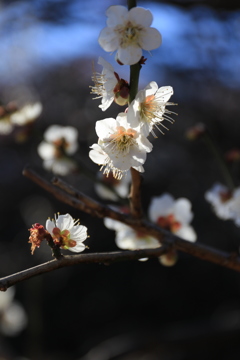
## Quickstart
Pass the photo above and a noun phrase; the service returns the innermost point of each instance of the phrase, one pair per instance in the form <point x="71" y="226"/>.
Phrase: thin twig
<point x="231" y="261"/>
<point x="69" y="260"/>
<point x="135" y="194"/>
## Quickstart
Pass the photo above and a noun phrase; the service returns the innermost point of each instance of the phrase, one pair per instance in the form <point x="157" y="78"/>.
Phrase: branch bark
<point x="69" y="260"/>
<point x="72" y="196"/>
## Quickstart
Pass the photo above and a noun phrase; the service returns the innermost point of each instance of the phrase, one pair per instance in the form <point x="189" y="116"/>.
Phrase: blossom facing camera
<point x="129" y="32"/>
<point x="67" y="233"/>
<point x="119" y="146"/>
<point x="59" y="143"/>
<point x="220" y="197"/>
<point x="173" y="215"/>
<point x="109" y="86"/>
<point x="149" y="108"/>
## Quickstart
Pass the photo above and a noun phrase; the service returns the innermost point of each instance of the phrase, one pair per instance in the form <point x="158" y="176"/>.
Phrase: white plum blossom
<point x="105" y="188"/>
<point x="13" y="318"/>
<point x="119" y="146"/>
<point x="220" y="197"/>
<point x="129" y="239"/>
<point x="149" y="108"/>
<point x="129" y="32"/>
<point x="104" y="84"/>
<point x="67" y="232"/>
<point x="59" y="143"/>
<point x="225" y="203"/>
<point x="26" y="114"/>
<point x="173" y="215"/>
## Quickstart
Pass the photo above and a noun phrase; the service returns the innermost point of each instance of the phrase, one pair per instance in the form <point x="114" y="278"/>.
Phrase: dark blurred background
<point x="133" y="310"/>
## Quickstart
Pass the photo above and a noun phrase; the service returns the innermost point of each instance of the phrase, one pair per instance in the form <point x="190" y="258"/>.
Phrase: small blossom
<point x="129" y="32"/>
<point x="173" y="215"/>
<point x="119" y="146"/>
<point x="225" y="203"/>
<point x="37" y="235"/>
<point x="13" y="318"/>
<point x="26" y="114"/>
<point x="109" y="86"/>
<point x="169" y="259"/>
<point x="149" y="108"/>
<point x="67" y="233"/>
<point x="120" y="187"/>
<point x="59" y="143"/>
<point x="129" y="239"/>
<point x="220" y="197"/>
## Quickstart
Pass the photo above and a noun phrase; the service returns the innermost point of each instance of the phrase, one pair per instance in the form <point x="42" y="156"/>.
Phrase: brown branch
<point x="135" y="194"/>
<point x="102" y="258"/>
<point x="231" y="261"/>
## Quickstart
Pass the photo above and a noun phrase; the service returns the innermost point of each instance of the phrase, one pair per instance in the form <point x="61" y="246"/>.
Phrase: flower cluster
<point x="59" y="143"/>
<point x="122" y="142"/>
<point x="172" y="215"/>
<point x="11" y="116"/>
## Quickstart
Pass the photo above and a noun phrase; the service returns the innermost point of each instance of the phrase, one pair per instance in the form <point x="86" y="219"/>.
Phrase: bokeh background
<point x="132" y="310"/>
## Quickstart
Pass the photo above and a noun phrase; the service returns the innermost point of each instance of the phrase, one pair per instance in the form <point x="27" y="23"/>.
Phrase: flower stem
<point x="56" y="253"/>
<point x="134" y="77"/>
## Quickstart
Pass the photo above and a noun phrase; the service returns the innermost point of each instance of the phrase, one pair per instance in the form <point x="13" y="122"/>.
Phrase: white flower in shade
<point x="59" y="143"/>
<point x="6" y="127"/>
<point x="221" y="199"/>
<point x="26" y="114"/>
<point x="119" y="146"/>
<point x="104" y="84"/>
<point x="129" y="32"/>
<point x="110" y="188"/>
<point x="13" y="318"/>
<point x="149" y="108"/>
<point x="173" y="215"/>
<point x="67" y="232"/>
<point x="225" y="203"/>
<point x="129" y="239"/>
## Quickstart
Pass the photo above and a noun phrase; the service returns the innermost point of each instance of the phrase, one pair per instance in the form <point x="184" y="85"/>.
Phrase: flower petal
<point x="150" y="39"/>
<point x="140" y="16"/>
<point x="108" y="40"/>
<point x="130" y="55"/>
<point x="116" y="15"/>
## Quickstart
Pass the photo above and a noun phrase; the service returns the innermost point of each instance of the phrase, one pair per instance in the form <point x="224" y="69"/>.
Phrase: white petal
<point x="104" y="128"/>
<point x="105" y="64"/>
<point x="150" y="39"/>
<point x="164" y="93"/>
<point x="78" y="233"/>
<point x="116" y="15"/>
<point x="50" y="225"/>
<point x="6" y="298"/>
<point x="145" y="143"/>
<point x="114" y="224"/>
<point x="65" y="222"/>
<point x="108" y="39"/>
<point x="160" y="206"/>
<point x="141" y="16"/>
<point x="46" y="151"/>
<point x="97" y="155"/>
<point x="130" y="55"/>
<point x="187" y="233"/>
<point x="182" y="211"/>
<point x="78" y="248"/>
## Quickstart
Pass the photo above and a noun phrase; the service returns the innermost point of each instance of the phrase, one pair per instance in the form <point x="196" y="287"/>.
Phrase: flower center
<point x="169" y="223"/>
<point x="63" y="238"/>
<point x="225" y="196"/>
<point x="123" y="139"/>
<point x="128" y="34"/>
<point x="149" y="108"/>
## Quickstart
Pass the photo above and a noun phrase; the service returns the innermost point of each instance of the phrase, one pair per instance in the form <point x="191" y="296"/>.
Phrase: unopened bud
<point x="169" y="259"/>
<point x="121" y="92"/>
